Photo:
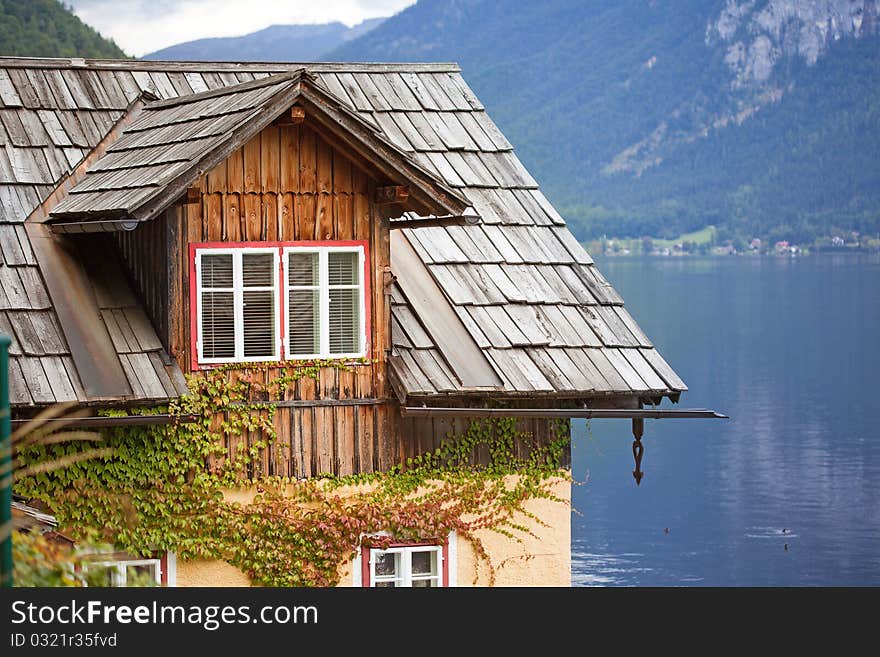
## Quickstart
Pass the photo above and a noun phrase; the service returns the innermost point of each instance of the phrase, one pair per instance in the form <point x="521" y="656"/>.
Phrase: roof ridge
<point x="226" y="66"/>
<point x="268" y="81"/>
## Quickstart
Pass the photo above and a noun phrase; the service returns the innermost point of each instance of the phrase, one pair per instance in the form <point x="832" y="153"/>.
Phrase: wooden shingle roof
<point x="528" y="294"/>
<point x="168" y="144"/>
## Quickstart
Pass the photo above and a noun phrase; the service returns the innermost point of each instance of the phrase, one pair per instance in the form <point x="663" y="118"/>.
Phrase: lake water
<point x="786" y="492"/>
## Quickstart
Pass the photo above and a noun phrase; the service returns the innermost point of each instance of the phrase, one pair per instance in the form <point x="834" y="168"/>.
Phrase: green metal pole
<point x="5" y="467"/>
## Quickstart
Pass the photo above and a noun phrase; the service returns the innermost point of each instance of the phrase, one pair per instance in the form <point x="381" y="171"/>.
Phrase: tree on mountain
<point x="47" y="28"/>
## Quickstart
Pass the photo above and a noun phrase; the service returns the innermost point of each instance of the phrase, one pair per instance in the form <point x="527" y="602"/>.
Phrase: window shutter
<point x="218" y="316"/>
<point x="344" y="310"/>
<point x="259" y="277"/>
<point x="304" y="303"/>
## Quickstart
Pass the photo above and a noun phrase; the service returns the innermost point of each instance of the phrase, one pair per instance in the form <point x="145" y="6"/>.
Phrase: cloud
<point x="143" y="26"/>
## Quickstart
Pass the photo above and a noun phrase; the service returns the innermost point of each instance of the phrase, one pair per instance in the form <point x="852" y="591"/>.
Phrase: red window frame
<point x="365" y="559"/>
<point x="195" y="365"/>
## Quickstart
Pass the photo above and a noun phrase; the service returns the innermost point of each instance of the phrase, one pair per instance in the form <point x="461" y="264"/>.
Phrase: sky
<point x="143" y="26"/>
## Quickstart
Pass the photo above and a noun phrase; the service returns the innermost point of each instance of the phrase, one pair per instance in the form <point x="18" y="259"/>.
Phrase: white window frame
<point x="238" y="303"/>
<point x="451" y="565"/>
<point x="406" y="577"/>
<point x="119" y="572"/>
<point x="324" y="293"/>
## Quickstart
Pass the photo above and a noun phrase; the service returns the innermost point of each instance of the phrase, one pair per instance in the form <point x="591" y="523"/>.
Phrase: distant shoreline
<point x="719" y="256"/>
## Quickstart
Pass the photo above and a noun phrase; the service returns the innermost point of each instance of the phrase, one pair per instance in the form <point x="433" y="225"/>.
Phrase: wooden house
<point x="167" y="218"/>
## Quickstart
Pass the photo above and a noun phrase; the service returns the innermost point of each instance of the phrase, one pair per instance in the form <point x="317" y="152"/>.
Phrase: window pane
<point x="386" y="563"/>
<point x="304" y="334"/>
<point x="258" y="269"/>
<point x="424" y="563"/>
<point x="302" y="268"/>
<point x="141" y="575"/>
<point x="425" y="583"/>
<point x="100" y="575"/>
<point x="386" y="585"/>
<point x="259" y="323"/>
<point x="343" y="267"/>
<point x="345" y="321"/>
<point x="216" y="270"/>
<point x="218" y="325"/>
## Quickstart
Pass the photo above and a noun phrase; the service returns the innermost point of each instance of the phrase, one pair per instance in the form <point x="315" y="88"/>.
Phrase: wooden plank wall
<point x="422" y="435"/>
<point x="288" y="184"/>
<point x="145" y="256"/>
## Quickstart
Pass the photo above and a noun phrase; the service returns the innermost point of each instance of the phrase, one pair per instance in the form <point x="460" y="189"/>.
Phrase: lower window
<point x="131" y="572"/>
<point x="405" y="565"/>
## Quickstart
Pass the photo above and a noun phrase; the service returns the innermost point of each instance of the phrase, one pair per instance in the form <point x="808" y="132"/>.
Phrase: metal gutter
<point x="612" y="413"/>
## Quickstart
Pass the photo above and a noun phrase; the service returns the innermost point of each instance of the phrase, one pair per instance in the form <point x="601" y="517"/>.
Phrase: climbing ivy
<point x="162" y="488"/>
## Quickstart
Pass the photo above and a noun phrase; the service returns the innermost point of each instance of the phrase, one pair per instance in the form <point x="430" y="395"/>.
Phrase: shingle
<point x="635" y="358"/>
<point x="663" y="369"/>
<point x="423" y="127"/>
<point x="452" y="140"/>
<point x="16" y="297"/>
<point x="494" y="334"/>
<point x="578" y="252"/>
<point x="435" y="369"/>
<point x="437" y="93"/>
<point x="415" y="83"/>
<point x="458" y="291"/>
<point x="497" y="237"/>
<point x="373" y="95"/>
<point x="37" y="383"/>
<point x="465" y="91"/>
<point x="10" y="248"/>
<point x="551" y="371"/>
<point x="59" y="381"/>
<point x="581" y="373"/>
<point x="492" y="131"/>
<point x="414" y="138"/>
<point x="8" y="94"/>
<point x="518" y="359"/>
<point x="412" y="328"/>
<point x="18" y="384"/>
<point x="436" y="241"/>
<point x="627" y="371"/>
<point x="609" y="372"/>
<point x="412" y="375"/>
<point x="408" y="373"/>
<point x="23" y="87"/>
<point x="392" y="131"/>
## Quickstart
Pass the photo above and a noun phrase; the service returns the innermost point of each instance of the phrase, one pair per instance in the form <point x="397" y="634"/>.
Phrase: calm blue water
<point x="790" y="349"/>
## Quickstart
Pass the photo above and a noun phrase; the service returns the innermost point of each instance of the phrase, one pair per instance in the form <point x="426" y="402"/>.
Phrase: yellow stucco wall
<point x="540" y="560"/>
<point x="209" y="573"/>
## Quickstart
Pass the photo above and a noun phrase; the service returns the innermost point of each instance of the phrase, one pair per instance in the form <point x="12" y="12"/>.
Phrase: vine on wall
<point x="163" y="486"/>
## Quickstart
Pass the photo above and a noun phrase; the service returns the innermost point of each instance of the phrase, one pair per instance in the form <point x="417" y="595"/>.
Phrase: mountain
<point x="652" y="117"/>
<point x="277" y="43"/>
<point x="47" y="28"/>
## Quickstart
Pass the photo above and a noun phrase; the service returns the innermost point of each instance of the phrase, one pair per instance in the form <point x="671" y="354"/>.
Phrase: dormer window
<point x="279" y="301"/>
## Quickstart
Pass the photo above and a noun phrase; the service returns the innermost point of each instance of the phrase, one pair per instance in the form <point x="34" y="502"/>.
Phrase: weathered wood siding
<point x="145" y="254"/>
<point x="427" y="434"/>
<point x="288" y="184"/>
